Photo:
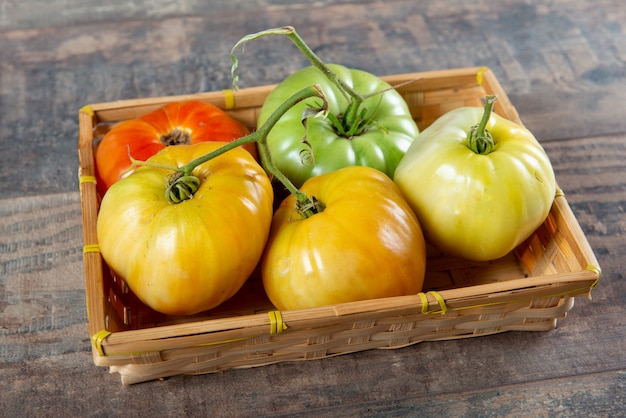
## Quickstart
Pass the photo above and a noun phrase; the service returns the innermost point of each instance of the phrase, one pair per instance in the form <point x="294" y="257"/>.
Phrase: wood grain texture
<point x="577" y="368"/>
<point x="562" y="62"/>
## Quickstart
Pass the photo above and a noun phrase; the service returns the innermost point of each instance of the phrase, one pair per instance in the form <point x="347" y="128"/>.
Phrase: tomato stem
<point x="479" y="139"/>
<point x="183" y="184"/>
<point x="290" y="32"/>
<point x="134" y="163"/>
<point x="352" y="121"/>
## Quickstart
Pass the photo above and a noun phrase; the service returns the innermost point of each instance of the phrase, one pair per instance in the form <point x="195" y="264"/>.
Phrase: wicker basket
<point x="528" y="290"/>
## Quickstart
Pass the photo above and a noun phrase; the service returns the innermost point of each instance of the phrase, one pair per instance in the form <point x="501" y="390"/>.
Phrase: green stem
<point x="259" y="135"/>
<point x="350" y="122"/>
<point x="183" y="184"/>
<point x="306" y="206"/>
<point x="290" y="32"/>
<point x="479" y="139"/>
<point x="350" y="94"/>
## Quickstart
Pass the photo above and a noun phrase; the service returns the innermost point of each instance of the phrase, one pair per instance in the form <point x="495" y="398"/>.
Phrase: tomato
<point x="477" y="198"/>
<point x="375" y="133"/>
<point x="366" y="243"/>
<point x="187" y="257"/>
<point x="183" y="122"/>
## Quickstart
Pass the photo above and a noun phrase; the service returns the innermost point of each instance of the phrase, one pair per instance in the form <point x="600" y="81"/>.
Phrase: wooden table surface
<point x="562" y="63"/>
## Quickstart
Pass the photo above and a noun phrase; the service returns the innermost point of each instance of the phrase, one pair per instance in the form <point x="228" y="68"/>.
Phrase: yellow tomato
<point x="477" y="196"/>
<point x="366" y="243"/>
<point x="187" y="257"/>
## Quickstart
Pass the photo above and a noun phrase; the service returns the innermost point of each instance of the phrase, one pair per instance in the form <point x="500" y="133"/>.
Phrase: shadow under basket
<point x="527" y="290"/>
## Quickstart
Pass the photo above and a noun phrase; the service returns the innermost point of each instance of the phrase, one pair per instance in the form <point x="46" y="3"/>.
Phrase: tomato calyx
<point x="180" y="187"/>
<point x="479" y="139"/>
<point x="308" y="206"/>
<point x="351" y="123"/>
<point x="176" y="136"/>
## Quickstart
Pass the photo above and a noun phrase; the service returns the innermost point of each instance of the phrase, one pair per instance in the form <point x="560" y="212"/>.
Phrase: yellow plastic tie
<point x="91" y="248"/>
<point x="596" y="269"/>
<point x="87" y="109"/>
<point x="598" y="272"/>
<point x="276" y="322"/>
<point x="87" y="179"/>
<point x="440" y="300"/>
<point x="234" y="340"/>
<point x="97" y="339"/>
<point x="480" y="75"/>
<point x="229" y="99"/>
<point x="424" y="302"/>
<point x="559" y="192"/>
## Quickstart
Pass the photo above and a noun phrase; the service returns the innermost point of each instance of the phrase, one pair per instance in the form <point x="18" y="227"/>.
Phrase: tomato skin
<point x="188" y="257"/>
<point x="390" y="131"/>
<point x="142" y="137"/>
<point x="367" y="243"/>
<point x="476" y="206"/>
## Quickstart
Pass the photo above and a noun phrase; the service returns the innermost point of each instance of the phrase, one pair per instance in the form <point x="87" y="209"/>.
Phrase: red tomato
<point x="185" y="122"/>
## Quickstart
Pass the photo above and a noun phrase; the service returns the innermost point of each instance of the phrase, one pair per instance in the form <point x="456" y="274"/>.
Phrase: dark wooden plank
<point x="578" y="367"/>
<point x="562" y="63"/>
<point x="65" y="388"/>
<point x="23" y="14"/>
<point x="597" y="395"/>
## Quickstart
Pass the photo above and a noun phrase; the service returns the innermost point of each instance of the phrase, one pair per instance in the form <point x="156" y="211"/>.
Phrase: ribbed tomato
<point x="479" y="183"/>
<point x="187" y="257"/>
<point x="364" y="242"/>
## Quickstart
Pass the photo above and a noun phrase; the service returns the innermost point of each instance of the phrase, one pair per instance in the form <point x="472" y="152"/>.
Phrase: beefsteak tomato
<point x="183" y="122"/>
<point x="187" y="257"/>
<point x="479" y="183"/>
<point x="365" y="243"/>
<point x="375" y="133"/>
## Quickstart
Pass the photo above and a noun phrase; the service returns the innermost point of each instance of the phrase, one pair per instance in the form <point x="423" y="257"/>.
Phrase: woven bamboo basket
<point x="527" y="290"/>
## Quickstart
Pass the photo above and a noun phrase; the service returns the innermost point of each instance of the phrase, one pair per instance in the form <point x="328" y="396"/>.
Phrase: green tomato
<point x="475" y="199"/>
<point x="382" y="130"/>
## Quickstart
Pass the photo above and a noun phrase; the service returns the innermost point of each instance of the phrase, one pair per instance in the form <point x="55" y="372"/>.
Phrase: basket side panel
<point x="343" y="337"/>
<point x="94" y="281"/>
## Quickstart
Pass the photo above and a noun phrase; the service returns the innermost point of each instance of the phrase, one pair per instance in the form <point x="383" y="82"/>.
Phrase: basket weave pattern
<point x="527" y="290"/>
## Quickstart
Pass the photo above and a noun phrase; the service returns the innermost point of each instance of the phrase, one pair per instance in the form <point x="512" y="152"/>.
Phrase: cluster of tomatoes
<point x="366" y="190"/>
<point x="182" y="258"/>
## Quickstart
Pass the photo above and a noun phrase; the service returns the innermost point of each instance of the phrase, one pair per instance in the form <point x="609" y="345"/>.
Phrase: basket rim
<point x="430" y="303"/>
<point x="228" y="99"/>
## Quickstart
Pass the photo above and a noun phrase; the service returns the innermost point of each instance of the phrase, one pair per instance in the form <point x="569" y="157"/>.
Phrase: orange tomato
<point x="365" y="244"/>
<point x="184" y="122"/>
